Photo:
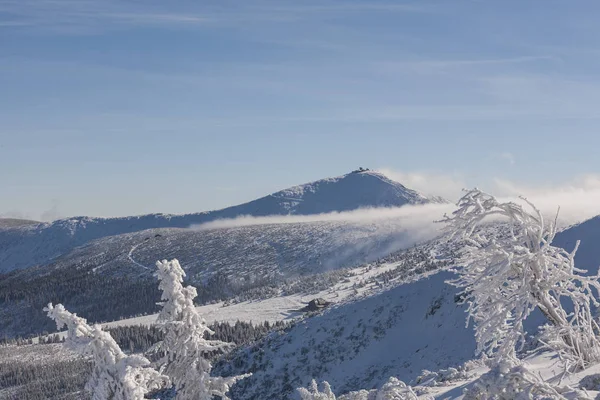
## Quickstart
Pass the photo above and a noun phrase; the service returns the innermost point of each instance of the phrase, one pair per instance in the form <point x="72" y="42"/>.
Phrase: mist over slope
<point x="112" y="277"/>
<point x="25" y="246"/>
<point x="16" y="222"/>
<point x="401" y="325"/>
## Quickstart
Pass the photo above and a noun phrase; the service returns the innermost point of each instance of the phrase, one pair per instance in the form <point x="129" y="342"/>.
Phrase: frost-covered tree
<point x="508" y="271"/>
<point x="184" y="347"/>
<point x="115" y="376"/>
<point x="510" y="382"/>
<point x="314" y="393"/>
<point x="393" y="389"/>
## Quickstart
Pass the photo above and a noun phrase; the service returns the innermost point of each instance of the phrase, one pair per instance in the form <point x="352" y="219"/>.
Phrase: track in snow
<point x="130" y="256"/>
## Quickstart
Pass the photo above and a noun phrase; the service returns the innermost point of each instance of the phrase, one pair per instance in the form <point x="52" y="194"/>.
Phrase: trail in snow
<point x="95" y="269"/>
<point x="130" y="256"/>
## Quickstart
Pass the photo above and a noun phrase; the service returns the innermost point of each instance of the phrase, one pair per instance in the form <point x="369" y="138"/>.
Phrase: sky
<point x="118" y="107"/>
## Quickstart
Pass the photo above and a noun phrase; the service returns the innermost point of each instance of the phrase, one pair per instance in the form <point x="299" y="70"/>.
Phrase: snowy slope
<point x="28" y="245"/>
<point x="361" y="342"/>
<point x="396" y="328"/>
<point x="398" y="332"/>
<point x="112" y="278"/>
<point x="257" y="250"/>
<point x="370" y="333"/>
<point x="588" y="254"/>
<point x="286" y="307"/>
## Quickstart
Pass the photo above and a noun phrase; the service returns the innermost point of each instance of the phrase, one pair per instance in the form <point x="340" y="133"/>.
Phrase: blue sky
<point x="127" y="107"/>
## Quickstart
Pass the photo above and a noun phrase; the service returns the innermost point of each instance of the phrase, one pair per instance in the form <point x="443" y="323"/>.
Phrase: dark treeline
<point x="96" y="297"/>
<point x="139" y="338"/>
<point x="65" y="379"/>
<point x="29" y="380"/>
<point x="100" y="298"/>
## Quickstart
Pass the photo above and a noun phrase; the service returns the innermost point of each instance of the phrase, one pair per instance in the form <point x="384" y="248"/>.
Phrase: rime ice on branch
<point x="507" y="274"/>
<point x="393" y="389"/>
<point x="115" y="375"/>
<point x="184" y="347"/>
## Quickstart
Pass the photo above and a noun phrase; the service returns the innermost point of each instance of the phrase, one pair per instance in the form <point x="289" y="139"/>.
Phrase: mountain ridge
<point x="29" y="245"/>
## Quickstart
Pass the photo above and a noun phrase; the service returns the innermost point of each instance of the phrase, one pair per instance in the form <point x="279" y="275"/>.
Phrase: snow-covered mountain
<point x="392" y="325"/>
<point x="27" y="245"/>
<point x="112" y="277"/>
<point x="400" y="331"/>
<point x="359" y="345"/>
<point x="394" y="317"/>
<point x="352" y="343"/>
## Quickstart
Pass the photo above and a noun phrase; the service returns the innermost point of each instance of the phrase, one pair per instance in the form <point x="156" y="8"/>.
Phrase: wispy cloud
<point x="48" y="215"/>
<point x="508" y="157"/>
<point x="341" y="7"/>
<point x="367" y="215"/>
<point x="448" y="186"/>
<point x="578" y="197"/>
<point x="73" y="16"/>
<point x="89" y="16"/>
<point x="578" y="200"/>
<point x="53" y="213"/>
<point x="400" y="227"/>
<point x="15" y="214"/>
<point x="428" y="66"/>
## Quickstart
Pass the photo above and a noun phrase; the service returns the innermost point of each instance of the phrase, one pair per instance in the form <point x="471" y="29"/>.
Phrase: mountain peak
<point x="358" y="189"/>
<point x="26" y="245"/>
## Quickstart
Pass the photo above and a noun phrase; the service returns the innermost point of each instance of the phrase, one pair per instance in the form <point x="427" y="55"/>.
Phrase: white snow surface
<point x="359" y="345"/>
<point x="283" y="308"/>
<point x="363" y="339"/>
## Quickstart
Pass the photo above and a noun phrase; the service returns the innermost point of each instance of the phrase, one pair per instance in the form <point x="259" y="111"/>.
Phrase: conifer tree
<point x="115" y="376"/>
<point x="184" y="348"/>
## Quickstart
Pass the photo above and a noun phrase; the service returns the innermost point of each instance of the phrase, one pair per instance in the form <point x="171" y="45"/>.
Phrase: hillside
<point x="588" y="254"/>
<point x="398" y="327"/>
<point x="29" y="245"/>
<point x="111" y="278"/>
<point x="398" y="332"/>
<point x="363" y="288"/>
<point x="396" y="316"/>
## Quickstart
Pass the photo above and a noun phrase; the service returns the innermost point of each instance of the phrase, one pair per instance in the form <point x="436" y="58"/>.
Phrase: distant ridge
<point x="25" y="245"/>
<point x="14" y="222"/>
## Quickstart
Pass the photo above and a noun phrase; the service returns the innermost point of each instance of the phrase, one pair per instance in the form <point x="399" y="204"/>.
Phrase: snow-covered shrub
<point x="508" y="382"/>
<point x="184" y="347"/>
<point x="507" y="274"/>
<point x="443" y="377"/>
<point x="314" y="393"/>
<point x="394" y="389"/>
<point x="115" y="376"/>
